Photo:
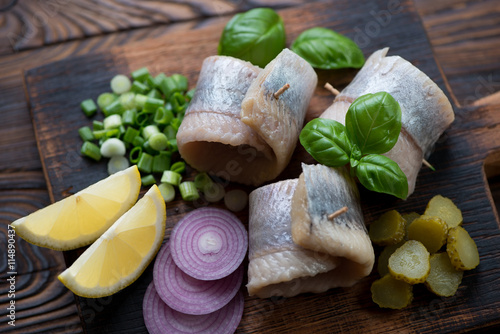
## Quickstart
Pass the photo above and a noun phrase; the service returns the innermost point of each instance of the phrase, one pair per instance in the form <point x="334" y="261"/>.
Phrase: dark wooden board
<point x="55" y="91"/>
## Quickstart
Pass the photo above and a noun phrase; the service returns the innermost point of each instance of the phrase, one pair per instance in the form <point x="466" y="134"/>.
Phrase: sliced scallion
<point x="145" y="163"/>
<point x="202" y="180"/>
<point x="149" y="130"/>
<point x="114" y="107"/>
<point x="138" y="87"/>
<point x="91" y="150"/>
<point x="128" y="117"/>
<point x="120" y="84"/>
<point x="86" y="133"/>
<point x="117" y="164"/>
<point x="105" y="99"/>
<point x="135" y="154"/>
<point x="163" y="116"/>
<point x="178" y="167"/>
<point x="140" y="74"/>
<point x="167" y="191"/>
<point x="158" y="141"/>
<point x="112" y="122"/>
<point x="113" y="147"/>
<point x="171" y="177"/>
<point x="130" y="134"/>
<point x="88" y="107"/>
<point x="188" y="191"/>
<point x="127" y="100"/>
<point x="161" y="162"/>
<point x="97" y="125"/>
<point x="148" y="180"/>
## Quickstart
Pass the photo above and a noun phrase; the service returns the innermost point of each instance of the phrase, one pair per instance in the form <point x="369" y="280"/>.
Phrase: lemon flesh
<point x="122" y="253"/>
<point x="79" y="219"/>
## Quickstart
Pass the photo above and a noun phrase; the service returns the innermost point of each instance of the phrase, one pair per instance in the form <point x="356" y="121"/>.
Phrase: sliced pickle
<point x="462" y="249"/>
<point x="444" y="279"/>
<point x="431" y="231"/>
<point x="410" y="262"/>
<point x="389" y="292"/>
<point x="388" y="229"/>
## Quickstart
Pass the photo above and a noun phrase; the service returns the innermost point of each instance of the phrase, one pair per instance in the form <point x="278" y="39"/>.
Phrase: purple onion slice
<point x="209" y="243"/>
<point x="189" y="295"/>
<point x="159" y="318"/>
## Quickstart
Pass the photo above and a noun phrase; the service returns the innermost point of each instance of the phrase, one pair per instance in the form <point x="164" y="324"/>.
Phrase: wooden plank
<point x="56" y="88"/>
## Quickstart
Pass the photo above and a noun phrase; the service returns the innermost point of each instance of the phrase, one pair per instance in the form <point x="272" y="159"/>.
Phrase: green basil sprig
<point x="373" y="124"/>
<point x="326" y="49"/>
<point x="257" y="35"/>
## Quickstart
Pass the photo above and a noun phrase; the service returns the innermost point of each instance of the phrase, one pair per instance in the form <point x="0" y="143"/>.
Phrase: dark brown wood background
<point x="456" y="42"/>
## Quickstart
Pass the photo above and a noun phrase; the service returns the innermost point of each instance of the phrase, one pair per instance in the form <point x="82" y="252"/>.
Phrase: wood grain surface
<point x="56" y="88"/>
<point x="466" y="47"/>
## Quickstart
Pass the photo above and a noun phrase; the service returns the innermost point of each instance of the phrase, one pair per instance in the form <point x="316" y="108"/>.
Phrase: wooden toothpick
<point x="338" y="213"/>
<point x="281" y="91"/>
<point x="425" y="162"/>
<point x="332" y="89"/>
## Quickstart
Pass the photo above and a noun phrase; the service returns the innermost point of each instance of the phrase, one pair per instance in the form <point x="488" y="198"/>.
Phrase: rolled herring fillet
<point x="277" y="266"/>
<point x="278" y="120"/>
<point x="322" y="191"/>
<point x="426" y="111"/>
<point x="212" y="137"/>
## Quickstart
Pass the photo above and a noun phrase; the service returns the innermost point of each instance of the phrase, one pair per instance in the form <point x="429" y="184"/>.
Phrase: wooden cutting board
<point x="56" y="90"/>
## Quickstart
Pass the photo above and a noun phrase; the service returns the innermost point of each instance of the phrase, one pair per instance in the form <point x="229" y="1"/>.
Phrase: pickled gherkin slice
<point x="383" y="258"/>
<point x="389" y="229"/>
<point x="431" y="231"/>
<point x="462" y="249"/>
<point x="389" y="292"/>
<point x="445" y="209"/>
<point x="410" y="262"/>
<point x="409" y="218"/>
<point x="444" y="279"/>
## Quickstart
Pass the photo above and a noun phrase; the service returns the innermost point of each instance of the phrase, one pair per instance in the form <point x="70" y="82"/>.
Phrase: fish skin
<point x="426" y="111"/>
<point x="212" y="125"/>
<point x="277" y="266"/>
<point x="321" y="191"/>
<point x="279" y="120"/>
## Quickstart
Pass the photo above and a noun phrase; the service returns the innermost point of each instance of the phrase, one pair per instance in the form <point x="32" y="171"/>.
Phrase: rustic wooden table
<point x="464" y="36"/>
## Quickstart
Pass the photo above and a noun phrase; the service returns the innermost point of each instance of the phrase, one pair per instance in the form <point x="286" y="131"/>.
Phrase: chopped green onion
<point x="140" y="100"/>
<point x="161" y="162"/>
<point x="104" y="134"/>
<point x="138" y="141"/>
<point x="130" y="135"/>
<point x="159" y="78"/>
<point x="167" y="191"/>
<point x="141" y="118"/>
<point x="150" y="81"/>
<point x="181" y="82"/>
<point x="112" y="147"/>
<point x="188" y="191"/>
<point x="176" y="123"/>
<point x="112" y="122"/>
<point x="167" y="86"/>
<point x="163" y="116"/>
<point x="178" y="102"/>
<point x="117" y="164"/>
<point x="178" y="167"/>
<point x="154" y="93"/>
<point x="146" y="147"/>
<point x="145" y="163"/>
<point x="120" y="84"/>
<point x="170" y="132"/>
<point x="97" y="125"/>
<point x="202" y="180"/>
<point x="152" y="104"/>
<point x="86" y="133"/>
<point x="190" y="94"/>
<point x="139" y="87"/>
<point x="135" y="154"/>
<point x="140" y="74"/>
<point x="158" y="141"/>
<point x="214" y="192"/>
<point x="148" y="180"/>
<point x="127" y="100"/>
<point x="128" y="116"/>
<point x="149" y="130"/>
<point x="105" y="99"/>
<point x="170" y="177"/>
<point x="172" y="143"/>
<point x="114" y="107"/>
<point x="236" y="200"/>
<point x="91" y="150"/>
<point x="88" y="107"/>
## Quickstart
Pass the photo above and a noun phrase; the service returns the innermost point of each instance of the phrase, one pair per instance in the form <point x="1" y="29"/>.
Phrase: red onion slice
<point x="159" y="318"/>
<point x="189" y="295"/>
<point x="209" y="243"/>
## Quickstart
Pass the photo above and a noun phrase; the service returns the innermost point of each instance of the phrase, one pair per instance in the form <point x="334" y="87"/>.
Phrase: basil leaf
<point x="326" y="141"/>
<point x="373" y="122"/>
<point x="381" y="174"/>
<point x="257" y="36"/>
<point x="326" y="49"/>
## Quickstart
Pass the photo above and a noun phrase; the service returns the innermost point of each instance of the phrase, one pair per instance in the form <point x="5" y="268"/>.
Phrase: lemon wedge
<point x="79" y="219"/>
<point x="121" y="254"/>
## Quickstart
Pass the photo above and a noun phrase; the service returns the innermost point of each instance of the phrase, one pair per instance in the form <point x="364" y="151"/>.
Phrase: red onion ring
<point x="209" y="243"/>
<point x="159" y="318"/>
<point x="189" y="295"/>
